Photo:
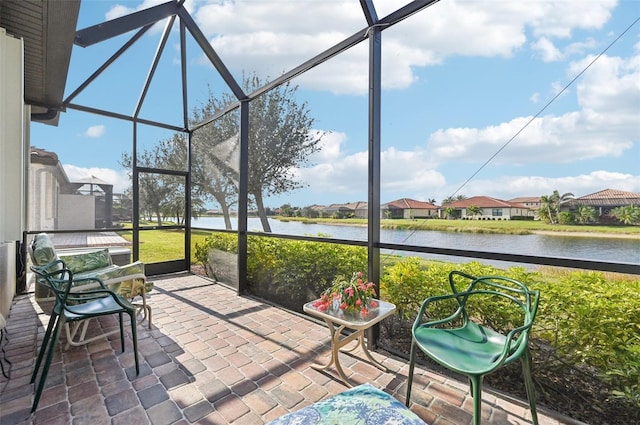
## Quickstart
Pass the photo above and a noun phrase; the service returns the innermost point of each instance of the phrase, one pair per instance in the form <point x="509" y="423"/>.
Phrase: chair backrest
<point x="42" y="250"/>
<point x="501" y="303"/>
<point x="56" y="277"/>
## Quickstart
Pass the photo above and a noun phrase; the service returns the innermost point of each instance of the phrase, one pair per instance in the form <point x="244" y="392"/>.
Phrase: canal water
<point x="578" y="247"/>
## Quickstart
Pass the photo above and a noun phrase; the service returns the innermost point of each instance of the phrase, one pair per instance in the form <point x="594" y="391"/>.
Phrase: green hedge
<point x="289" y="273"/>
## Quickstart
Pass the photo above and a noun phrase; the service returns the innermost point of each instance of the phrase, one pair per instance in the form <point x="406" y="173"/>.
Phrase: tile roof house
<point x="409" y="209"/>
<point x="490" y="209"/>
<point x="353" y="209"/>
<point x="359" y="208"/>
<point x="606" y="200"/>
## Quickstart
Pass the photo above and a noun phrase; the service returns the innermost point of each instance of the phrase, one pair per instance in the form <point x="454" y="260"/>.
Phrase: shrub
<point x="406" y="284"/>
<point x="289" y="273"/>
<point x="410" y="281"/>
<point x="595" y="322"/>
<point x="566" y="217"/>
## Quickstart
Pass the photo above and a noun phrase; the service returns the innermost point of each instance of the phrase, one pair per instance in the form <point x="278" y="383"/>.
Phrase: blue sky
<point x="460" y="79"/>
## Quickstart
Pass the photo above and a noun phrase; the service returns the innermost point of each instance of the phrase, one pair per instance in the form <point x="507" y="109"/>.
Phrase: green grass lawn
<point x="164" y="245"/>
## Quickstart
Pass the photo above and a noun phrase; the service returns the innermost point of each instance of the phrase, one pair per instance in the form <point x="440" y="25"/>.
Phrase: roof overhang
<point x="48" y="29"/>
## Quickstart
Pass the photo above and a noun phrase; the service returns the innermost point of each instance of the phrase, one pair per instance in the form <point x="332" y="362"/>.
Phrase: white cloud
<point x="509" y="187"/>
<point x="561" y="18"/>
<point x="535" y="98"/>
<point x="118" y="178"/>
<point x="549" y="139"/>
<point x="94" y="131"/>
<point x="342" y="174"/>
<point x="117" y="11"/>
<point x="605" y="126"/>
<point x="409" y="171"/>
<point x="256" y="36"/>
<point x="547" y="50"/>
<point x="329" y="147"/>
<point x="611" y="86"/>
<point x="579" y="48"/>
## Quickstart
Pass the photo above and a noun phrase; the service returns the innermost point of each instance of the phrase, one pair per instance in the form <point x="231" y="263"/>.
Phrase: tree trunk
<point x="220" y="198"/>
<point x="226" y="215"/>
<point x="262" y="213"/>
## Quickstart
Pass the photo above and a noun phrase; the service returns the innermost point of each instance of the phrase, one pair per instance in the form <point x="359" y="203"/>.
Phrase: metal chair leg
<point x="476" y="392"/>
<point x="121" y="331"/>
<point x="412" y="364"/>
<point x="134" y="335"/>
<point x="528" y="382"/>
<point x="47" y="363"/>
<point x="43" y="346"/>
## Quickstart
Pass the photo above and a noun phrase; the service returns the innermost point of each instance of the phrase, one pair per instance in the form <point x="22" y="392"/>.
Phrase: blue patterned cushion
<point x="362" y="405"/>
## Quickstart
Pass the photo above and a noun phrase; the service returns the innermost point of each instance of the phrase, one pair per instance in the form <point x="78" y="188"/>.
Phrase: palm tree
<point x="474" y="210"/>
<point x="559" y="200"/>
<point x="452" y="199"/>
<point x="629" y="214"/>
<point x="586" y="214"/>
<point x="449" y="211"/>
<point x="547" y="207"/>
<point x="448" y="200"/>
<point x="550" y="205"/>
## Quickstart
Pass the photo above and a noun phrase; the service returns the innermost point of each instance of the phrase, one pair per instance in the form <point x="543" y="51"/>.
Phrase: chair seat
<point x="470" y="349"/>
<point x="101" y="306"/>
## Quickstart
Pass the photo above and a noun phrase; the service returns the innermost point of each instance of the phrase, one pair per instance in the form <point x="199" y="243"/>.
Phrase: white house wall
<point x="12" y="144"/>
<point x="76" y="212"/>
<point x="44" y="189"/>
<point x="487" y="214"/>
<point x="11" y="138"/>
<point x="7" y="276"/>
<point x="411" y="213"/>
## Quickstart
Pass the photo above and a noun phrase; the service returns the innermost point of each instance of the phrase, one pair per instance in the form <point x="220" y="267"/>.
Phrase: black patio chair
<point x="74" y="306"/>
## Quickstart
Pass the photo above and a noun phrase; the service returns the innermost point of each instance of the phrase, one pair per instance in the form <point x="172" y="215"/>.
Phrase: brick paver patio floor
<point x="213" y="357"/>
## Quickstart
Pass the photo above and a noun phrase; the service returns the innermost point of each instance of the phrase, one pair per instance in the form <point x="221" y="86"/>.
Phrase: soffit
<point x="48" y="30"/>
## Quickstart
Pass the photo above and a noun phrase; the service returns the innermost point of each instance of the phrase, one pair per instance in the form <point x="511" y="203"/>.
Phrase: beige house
<point x="409" y="209"/>
<point x="353" y="209"/>
<point x="531" y="202"/>
<point x="488" y="209"/>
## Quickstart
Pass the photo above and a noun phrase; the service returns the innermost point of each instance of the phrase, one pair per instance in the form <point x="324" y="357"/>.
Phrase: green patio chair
<point x="459" y="343"/>
<point x="73" y="307"/>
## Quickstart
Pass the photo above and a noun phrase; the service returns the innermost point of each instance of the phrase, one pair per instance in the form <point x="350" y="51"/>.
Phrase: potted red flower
<point x="354" y="296"/>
